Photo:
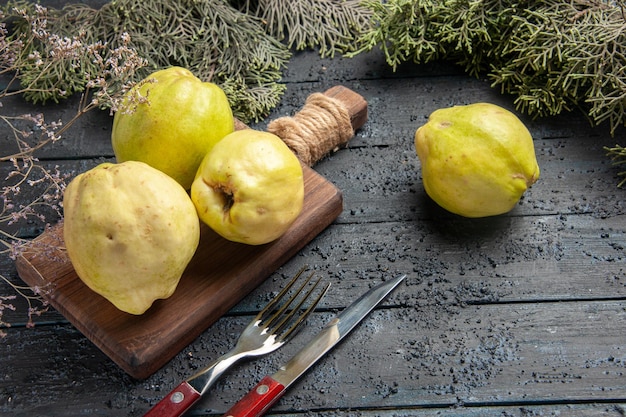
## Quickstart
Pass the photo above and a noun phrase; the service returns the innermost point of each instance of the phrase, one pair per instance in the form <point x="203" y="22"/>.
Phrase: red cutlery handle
<point x="258" y="400"/>
<point x="179" y="400"/>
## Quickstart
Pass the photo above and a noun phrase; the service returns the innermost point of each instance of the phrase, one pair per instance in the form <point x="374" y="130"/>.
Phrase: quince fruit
<point x="477" y="160"/>
<point x="170" y="120"/>
<point x="249" y="187"/>
<point x="130" y="231"/>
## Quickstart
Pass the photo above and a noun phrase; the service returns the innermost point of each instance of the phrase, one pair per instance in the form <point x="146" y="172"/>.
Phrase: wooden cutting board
<point x="218" y="277"/>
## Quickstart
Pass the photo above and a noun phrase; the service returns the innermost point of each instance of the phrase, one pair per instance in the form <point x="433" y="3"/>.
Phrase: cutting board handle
<point x="324" y="124"/>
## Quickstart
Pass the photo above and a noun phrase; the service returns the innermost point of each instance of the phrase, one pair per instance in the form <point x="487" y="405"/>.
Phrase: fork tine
<point x="296" y="325"/>
<point x="281" y="310"/>
<point x="278" y="320"/>
<point x="270" y="306"/>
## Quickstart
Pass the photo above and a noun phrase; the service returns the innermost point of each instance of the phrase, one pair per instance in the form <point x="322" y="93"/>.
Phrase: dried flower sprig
<point x="37" y="304"/>
<point x="32" y="190"/>
<point x="50" y="64"/>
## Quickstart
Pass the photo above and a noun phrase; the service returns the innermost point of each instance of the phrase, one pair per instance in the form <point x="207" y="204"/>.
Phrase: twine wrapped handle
<point x="325" y="124"/>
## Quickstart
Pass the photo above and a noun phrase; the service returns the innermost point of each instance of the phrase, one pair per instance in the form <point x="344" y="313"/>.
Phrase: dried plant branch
<point x="33" y="55"/>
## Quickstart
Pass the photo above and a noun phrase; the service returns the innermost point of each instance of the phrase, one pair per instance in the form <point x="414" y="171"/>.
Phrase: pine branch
<point x="553" y="55"/>
<point x="329" y="25"/>
<point x="618" y="158"/>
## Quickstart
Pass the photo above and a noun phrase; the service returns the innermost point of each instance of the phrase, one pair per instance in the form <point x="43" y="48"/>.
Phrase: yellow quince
<point x="249" y="188"/>
<point x="170" y="120"/>
<point x="477" y="160"/>
<point x="130" y="231"/>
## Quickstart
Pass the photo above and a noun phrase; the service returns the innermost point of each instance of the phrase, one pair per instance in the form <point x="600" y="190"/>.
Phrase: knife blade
<point x="263" y="395"/>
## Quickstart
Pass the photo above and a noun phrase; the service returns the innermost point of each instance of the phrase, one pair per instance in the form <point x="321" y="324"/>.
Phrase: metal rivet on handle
<point x="262" y="389"/>
<point x="177" y="397"/>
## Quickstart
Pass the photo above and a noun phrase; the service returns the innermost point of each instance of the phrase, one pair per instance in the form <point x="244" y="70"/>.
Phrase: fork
<point x="271" y="328"/>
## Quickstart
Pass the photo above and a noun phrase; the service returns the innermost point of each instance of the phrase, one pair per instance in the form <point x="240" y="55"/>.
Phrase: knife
<point x="260" y="398"/>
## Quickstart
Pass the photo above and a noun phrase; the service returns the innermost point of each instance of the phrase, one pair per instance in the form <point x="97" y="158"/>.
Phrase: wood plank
<point x="451" y="265"/>
<point x="307" y="66"/>
<point x="525" y="355"/>
<point x="406" y="102"/>
<point x="522" y="410"/>
<point x="385" y="184"/>
<point x="89" y="137"/>
<point x="570" y="154"/>
<point x="516" y="259"/>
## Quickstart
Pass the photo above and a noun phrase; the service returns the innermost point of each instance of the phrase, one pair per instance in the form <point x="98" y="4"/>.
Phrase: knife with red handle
<point x="264" y="394"/>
